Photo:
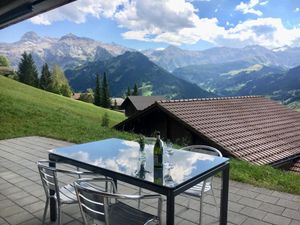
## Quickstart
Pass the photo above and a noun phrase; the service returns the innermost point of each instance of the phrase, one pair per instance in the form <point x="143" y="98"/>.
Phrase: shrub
<point x="105" y="120"/>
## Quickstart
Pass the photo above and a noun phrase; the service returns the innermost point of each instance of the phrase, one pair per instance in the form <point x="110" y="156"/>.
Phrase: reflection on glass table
<point x="121" y="160"/>
<point x="124" y="157"/>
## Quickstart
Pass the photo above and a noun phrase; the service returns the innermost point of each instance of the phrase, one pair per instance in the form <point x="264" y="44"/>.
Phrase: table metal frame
<point x="169" y="192"/>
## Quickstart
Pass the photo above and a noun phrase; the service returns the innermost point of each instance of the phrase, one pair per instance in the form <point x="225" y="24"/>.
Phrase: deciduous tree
<point x="59" y="83"/>
<point x="4" y="61"/>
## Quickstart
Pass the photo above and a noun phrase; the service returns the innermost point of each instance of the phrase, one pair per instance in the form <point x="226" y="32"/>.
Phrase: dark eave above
<point x="14" y="11"/>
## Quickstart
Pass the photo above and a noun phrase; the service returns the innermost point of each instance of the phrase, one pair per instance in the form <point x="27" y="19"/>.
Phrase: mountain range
<point x="68" y="51"/>
<point x="125" y="70"/>
<point x="243" y="78"/>
<point x="173" y="72"/>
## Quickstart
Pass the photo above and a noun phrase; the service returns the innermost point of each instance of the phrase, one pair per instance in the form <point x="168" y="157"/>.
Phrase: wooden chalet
<point x="134" y="104"/>
<point x="255" y="129"/>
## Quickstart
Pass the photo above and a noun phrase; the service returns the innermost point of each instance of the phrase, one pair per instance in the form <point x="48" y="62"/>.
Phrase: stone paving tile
<point x="11" y="210"/>
<point x="22" y="196"/>
<point x="250" y="202"/>
<point x="247" y="193"/>
<point x="267" y="207"/>
<point x="286" y="196"/>
<point x="295" y="222"/>
<point x="267" y="198"/>
<point x="236" y="218"/>
<point x="235" y="207"/>
<point x="254" y="213"/>
<point x="275" y="219"/>
<point x="27" y="200"/>
<point x="288" y="204"/>
<point x="19" y="218"/>
<point x="251" y="221"/>
<point x="293" y="214"/>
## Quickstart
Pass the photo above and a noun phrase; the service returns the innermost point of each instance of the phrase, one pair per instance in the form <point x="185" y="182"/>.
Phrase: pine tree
<point x="115" y="104"/>
<point x="27" y="71"/>
<point x="97" y="97"/>
<point x="128" y="93"/>
<point x="45" y="80"/>
<point x="106" y="103"/>
<point x="135" y="90"/>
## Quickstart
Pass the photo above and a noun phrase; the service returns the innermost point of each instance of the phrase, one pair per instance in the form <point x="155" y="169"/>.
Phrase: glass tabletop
<point x="125" y="157"/>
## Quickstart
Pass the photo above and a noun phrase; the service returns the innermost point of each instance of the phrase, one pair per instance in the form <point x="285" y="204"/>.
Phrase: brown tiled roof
<point x="295" y="166"/>
<point x="142" y="102"/>
<point x="251" y="128"/>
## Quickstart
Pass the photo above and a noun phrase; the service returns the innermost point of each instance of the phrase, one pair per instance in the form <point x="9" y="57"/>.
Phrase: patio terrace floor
<point x="22" y="197"/>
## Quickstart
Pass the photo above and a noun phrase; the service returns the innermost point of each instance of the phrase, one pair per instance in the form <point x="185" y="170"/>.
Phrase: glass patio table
<point x="122" y="161"/>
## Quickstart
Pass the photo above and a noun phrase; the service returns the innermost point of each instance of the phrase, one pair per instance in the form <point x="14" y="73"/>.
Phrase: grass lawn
<point x="27" y="111"/>
<point x="265" y="176"/>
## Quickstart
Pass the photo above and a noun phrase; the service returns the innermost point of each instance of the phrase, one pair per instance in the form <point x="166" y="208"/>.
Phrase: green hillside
<point x="133" y="67"/>
<point x="25" y="111"/>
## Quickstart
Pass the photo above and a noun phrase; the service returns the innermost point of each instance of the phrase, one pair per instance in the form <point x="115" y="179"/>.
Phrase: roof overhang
<point x="14" y="11"/>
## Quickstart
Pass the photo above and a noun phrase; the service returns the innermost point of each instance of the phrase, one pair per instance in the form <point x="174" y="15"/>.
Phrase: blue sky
<point x="190" y="24"/>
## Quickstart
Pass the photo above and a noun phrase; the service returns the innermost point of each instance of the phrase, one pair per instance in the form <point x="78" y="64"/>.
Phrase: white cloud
<point x="177" y="22"/>
<point x="297" y="10"/>
<point x="180" y="23"/>
<point x="268" y="32"/>
<point x="78" y="11"/>
<point x="249" y="8"/>
<point x="264" y="3"/>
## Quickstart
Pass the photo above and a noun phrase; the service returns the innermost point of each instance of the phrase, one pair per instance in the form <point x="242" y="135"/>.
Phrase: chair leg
<point x="201" y="210"/>
<point x="215" y="200"/>
<point x="201" y="202"/>
<point x="139" y="201"/>
<point x="45" y="210"/>
<point x="188" y="203"/>
<point x="58" y="214"/>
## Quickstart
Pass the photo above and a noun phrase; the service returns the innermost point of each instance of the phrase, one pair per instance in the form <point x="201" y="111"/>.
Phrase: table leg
<point x="224" y="196"/>
<point x="52" y="201"/>
<point x="170" y="208"/>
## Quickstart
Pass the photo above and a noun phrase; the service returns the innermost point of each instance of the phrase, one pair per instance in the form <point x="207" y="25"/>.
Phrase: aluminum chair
<point x="97" y="205"/>
<point x="206" y="185"/>
<point x="64" y="194"/>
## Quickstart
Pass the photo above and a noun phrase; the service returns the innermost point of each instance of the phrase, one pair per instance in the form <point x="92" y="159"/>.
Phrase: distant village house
<point x="134" y="104"/>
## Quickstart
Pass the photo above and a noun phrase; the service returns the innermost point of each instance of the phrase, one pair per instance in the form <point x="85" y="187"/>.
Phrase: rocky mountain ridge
<point x="68" y="51"/>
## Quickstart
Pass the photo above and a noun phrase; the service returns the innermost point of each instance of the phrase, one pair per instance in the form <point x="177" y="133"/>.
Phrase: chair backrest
<point x="48" y="177"/>
<point x="203" y="149"/>
<point x="93" y="201"/>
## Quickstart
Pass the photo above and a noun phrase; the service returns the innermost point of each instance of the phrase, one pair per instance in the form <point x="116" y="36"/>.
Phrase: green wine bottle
<point x="158" y="152"/>
<point x="158" y="175"/>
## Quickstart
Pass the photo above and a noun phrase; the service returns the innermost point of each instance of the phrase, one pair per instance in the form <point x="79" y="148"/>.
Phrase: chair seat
<point x="196" y="190"/>
<point x="123" y="214"/>
<point x="68" y="195"/>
